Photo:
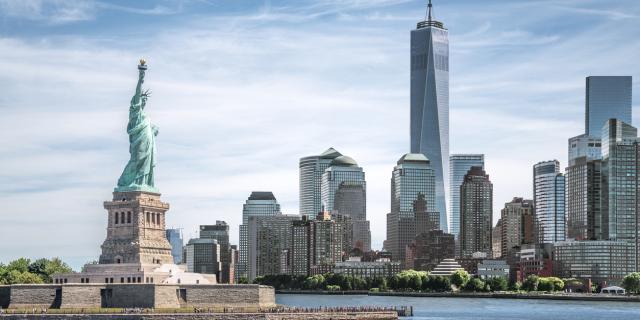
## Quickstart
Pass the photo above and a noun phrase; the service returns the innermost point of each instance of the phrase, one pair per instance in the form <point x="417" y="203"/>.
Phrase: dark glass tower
<point x="430" y="102"/>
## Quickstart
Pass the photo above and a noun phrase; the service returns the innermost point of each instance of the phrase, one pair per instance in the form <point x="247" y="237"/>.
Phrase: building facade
<point x="367" y="269"/>
<point x="220" y="232"/>
<point x="600" y="261"/>
<point x="549" y="202"/>
<point x="350" y="201"/>
<point x="269" y="238"/>
<point x="459" y="165"/>
<point x="620" y="181"/>
<point x="476" y="213"/>
<point x="174" y="236"/>
<point x="517" y="225"/>
<point x="428" y="249"/>
<point x="607" y="97"/>
<point x="203" y="256"/>
<point x="430" y="103"/>
<point x="412" y="178"/>
<point x="259" y="204"/>
<point x="311" y="170"/>
<point x="343" y="170"/>
<point x="584" y="188"/>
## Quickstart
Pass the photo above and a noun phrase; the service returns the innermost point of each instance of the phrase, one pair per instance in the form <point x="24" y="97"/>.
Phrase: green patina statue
<point x="138" y="174"/>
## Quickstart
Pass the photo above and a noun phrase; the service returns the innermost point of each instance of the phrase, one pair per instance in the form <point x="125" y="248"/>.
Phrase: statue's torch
<point x="142" y="65"/>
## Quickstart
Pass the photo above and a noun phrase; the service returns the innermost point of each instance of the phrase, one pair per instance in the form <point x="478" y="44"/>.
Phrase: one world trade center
<point x="430" y="102"/>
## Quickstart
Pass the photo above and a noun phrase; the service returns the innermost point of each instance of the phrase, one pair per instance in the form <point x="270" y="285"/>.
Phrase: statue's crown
<point x="143" y="62"/>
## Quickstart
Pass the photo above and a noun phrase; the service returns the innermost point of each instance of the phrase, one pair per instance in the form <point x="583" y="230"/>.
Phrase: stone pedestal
<point x="136" y="230"/>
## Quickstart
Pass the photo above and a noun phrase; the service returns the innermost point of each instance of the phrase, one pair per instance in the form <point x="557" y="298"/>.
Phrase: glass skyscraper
<point x="549" y="202"/>
<point x="620" y="158"/>
<point x="412" y="179"/>
<point x="311" y="170"/>
<point x="430" y="102"/>
<point x="459" y="165"/>
<point x="341" y="170"/>
<point x="259" y="204"/>
<point x="607" y="97"/>
<point x="174" y="236"/>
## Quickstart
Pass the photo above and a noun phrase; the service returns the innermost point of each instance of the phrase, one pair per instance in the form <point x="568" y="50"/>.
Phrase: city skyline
<point x="209" y="163"/>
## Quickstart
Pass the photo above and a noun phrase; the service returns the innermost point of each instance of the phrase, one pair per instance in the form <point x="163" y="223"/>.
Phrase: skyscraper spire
<point x="428" y="19"/>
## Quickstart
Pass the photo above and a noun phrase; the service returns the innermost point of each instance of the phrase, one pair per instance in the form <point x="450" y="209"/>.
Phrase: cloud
<point x="52" y="11"/>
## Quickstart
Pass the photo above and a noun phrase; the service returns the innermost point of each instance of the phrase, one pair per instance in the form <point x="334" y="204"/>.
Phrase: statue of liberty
<point x="138" y="174"/>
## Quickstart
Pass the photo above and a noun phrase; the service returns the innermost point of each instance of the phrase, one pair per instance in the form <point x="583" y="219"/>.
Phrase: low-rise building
<point x="446" y="268"/>
<point x="367" y="269"/>
<point x="493" y="268"/>
<point x="601" y="261"/>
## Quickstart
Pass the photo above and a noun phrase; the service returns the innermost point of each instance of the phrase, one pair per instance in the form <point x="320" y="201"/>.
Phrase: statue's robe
<point x="138" y="174"/>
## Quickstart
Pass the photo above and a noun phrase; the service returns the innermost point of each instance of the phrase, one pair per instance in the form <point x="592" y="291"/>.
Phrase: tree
<point x="243" y="280"/>
<point x="515" y="286"/>
<point x="531" y="283"/>
<point x="475" y="285"/>
<point x="460" y="278"/>
<point x="631" y="282"/>
<point x="497" y="283"/>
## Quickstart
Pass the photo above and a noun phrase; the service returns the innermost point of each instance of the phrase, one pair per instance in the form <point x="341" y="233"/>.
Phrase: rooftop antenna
<point x="429" y="8"/>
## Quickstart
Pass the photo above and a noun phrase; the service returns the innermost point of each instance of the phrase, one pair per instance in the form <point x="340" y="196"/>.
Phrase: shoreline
<point x="534" y="296"/>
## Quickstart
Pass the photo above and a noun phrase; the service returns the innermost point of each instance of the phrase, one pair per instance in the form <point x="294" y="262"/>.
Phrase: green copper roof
<point x="413" y="157"/>
<point x="331" y="153"/>
<point x="344" y="161"/>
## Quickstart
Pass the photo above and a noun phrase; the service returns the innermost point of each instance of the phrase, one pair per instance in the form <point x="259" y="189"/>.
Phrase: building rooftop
<point x="330" y="153"/>
<point x="446" y="268"/>
<point x="344" y="161"/>
<point x="413" y="157"/>
<point x="262" y="195"/>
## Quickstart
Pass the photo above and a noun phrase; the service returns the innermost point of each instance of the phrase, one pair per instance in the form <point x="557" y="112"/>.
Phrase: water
<point x="477" y="308"/>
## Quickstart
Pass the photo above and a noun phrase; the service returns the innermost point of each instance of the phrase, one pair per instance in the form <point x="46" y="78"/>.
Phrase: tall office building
<point x="517" y="227"/>
<point x="459" y="165"/>
<point x="259" y="204"/>
<point x="476" y="213"/>
<point x="549" y="202"/>
<point x="220" y="233"/>
<point x="583" y="182"/>
<point x="430" y="102"/>
<point x="620" y="181"/>
<point x="607" y="97"/>
<point x="350" y="201"/>
<point x="301" y="247"/>
<point x="174" y="236"/>
<point x="327" y="240"/>
<point x="342" y="170"/>
<point x="311" y="170"/>
<point x="412" y="178"/>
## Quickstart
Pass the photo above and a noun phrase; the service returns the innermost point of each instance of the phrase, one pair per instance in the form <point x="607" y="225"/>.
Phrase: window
<point x="111" y="280"/>
<point x="121" y="217"/>
<point x="139" y="279"/>
<point x="116" y="222"/>
<point x="122" y="280"/>
<point x="128" y="279"/>
<point x="158" y="218"/>
<point x="148" y="217"/>
<point x="129" y="217"/>
<point x="153" y="218"/>
<point x="106" y="280"/>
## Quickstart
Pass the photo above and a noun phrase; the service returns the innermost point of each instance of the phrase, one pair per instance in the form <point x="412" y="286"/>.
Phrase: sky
<point x="243" y="89"/>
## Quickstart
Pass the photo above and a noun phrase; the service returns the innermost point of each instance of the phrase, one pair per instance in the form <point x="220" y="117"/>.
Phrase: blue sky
<point x="243" y="89"/>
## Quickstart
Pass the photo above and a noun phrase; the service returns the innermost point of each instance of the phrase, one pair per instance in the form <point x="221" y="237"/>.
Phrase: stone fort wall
<point x="217" y="316"/>
<point x="135" y="296"/>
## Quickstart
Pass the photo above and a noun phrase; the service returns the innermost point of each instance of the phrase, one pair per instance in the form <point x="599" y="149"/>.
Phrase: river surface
<point x="477" y="308"/>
